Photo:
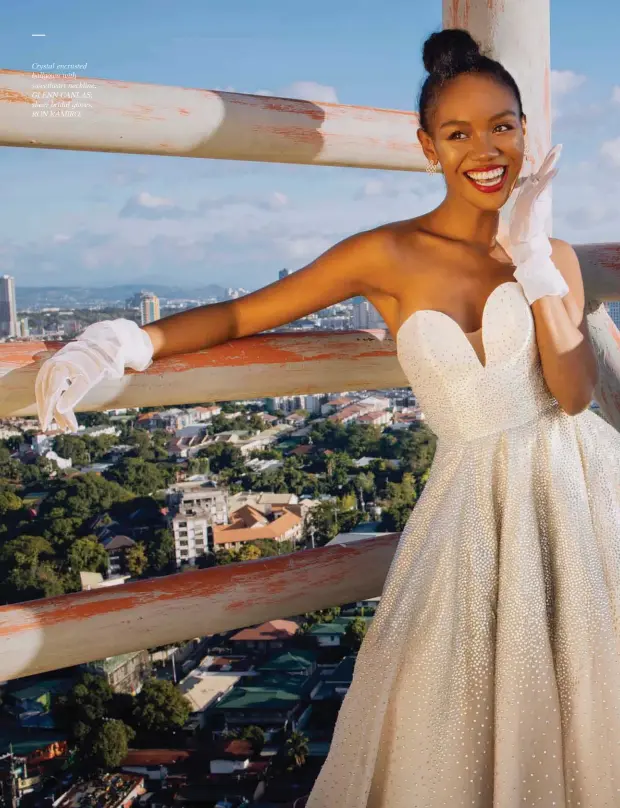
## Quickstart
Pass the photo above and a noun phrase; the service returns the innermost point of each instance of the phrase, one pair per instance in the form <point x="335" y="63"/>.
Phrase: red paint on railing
<point x="264" y="578"/>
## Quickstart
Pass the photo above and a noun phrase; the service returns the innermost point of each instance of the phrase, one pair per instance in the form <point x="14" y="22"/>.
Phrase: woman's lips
<point x="487" y="186"/>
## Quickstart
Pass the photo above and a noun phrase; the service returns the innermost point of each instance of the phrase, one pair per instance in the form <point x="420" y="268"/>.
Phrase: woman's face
<point x="478" y="138"/>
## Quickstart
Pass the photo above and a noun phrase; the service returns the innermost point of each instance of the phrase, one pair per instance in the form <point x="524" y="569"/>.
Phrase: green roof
<point x="277" y="680"/>
<point x="328" y="628"/>
<point x="256" y="698"/>
<point x="337" y="626"/>
<point x="41" y="690"/>
<point x="290" y="661"/>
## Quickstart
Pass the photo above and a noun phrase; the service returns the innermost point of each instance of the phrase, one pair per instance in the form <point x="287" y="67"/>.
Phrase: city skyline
<point x="101" y="216"/>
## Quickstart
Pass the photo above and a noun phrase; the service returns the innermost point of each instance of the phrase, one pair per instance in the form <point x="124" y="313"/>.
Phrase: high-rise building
<point x="149" y="308"/>
<point x="8" y="308"/>
<point x="283" y="273"/>
<point x="365" y="315"/>
<point x="23" y="329"/>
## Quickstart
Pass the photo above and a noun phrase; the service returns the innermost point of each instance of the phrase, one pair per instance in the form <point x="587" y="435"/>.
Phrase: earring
<point x="526" y="153"/>
<point x="431" y="167"/>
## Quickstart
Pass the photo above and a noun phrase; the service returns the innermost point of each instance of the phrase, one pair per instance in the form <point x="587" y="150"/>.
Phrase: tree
<point x="88" y="419"/>
<point x="87" y="555"/>
<point x="108" y="745"/>
<point x="160" y="552"/>
<point x="86" y="706"/>
<point x="139" y="476"/>
<point x="73" y="448"/>
<point x="224" y="457"/>
<point x="9" y="502"/>
<point x="160" y="708"/>
<point x="354" y="633"/>
<point x="137" y="560"/>
<point x="297" y="749"/>
<point x="248" y="552"/>
<point x="402" y="498"/>
<point x="322" y="523"/>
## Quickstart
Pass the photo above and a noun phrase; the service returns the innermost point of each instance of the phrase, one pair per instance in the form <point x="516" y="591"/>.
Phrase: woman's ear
<point x="428" y="147"/>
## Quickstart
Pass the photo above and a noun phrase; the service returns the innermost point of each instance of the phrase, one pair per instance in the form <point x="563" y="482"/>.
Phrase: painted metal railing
<point x="149" y="119"/>
<point x="57" y="632"/>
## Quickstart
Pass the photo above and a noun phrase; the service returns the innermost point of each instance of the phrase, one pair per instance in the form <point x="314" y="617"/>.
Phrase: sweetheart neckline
<point x="466" y="334"/>
<point x="458" y="325"/>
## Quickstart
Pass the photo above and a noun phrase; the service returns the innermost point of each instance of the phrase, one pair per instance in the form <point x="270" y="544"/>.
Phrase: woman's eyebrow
<point x="466" y="123"/>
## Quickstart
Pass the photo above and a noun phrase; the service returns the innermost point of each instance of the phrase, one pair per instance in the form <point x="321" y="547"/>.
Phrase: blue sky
<point x="77" y="218"/>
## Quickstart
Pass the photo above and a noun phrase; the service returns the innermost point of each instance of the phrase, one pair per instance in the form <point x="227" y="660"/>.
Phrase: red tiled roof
<point x="237" y="748"/>
<point x="304" y="449"/>
<point x="273" y="630"/>
<point x="239" y="530"/>
<point x="154" y="757"/>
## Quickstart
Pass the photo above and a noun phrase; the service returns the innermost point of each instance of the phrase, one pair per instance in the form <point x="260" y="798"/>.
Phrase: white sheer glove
<point x="529" y="244"/>
<point x="103" y="351"/>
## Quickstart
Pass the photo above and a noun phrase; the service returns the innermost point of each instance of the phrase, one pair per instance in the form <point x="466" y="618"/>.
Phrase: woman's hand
<point x="529" y="214"/>
<point x="529" y="245"/>
<point x="103" y="351"/>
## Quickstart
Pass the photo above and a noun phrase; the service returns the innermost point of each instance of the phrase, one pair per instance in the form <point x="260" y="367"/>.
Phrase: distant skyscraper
<point x="613" y="309"/>
<point x="8" y="309"/>
<point x="149" y="308"/>
<point x="23" y="329"/>
<point x="283" y="273"/>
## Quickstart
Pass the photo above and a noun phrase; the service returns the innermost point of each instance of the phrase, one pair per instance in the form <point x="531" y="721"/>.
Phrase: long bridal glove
<point x="530" y="247"/>
<point x="103" y="351"/>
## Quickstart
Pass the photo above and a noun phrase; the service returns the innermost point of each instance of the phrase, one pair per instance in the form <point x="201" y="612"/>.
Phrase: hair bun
<point x="450" y="51"/>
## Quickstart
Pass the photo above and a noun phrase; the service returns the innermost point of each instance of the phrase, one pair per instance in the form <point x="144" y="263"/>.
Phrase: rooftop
<point x="272" y="630"/>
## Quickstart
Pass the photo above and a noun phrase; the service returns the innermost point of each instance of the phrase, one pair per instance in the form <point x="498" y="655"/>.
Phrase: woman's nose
<point x="484" y="147"/>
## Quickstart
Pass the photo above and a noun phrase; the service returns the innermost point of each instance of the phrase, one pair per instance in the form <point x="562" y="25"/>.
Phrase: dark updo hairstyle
<point x="450" y="53"/>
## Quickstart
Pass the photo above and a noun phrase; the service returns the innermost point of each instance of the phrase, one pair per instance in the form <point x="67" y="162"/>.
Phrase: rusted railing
<point x="57" y="632"/>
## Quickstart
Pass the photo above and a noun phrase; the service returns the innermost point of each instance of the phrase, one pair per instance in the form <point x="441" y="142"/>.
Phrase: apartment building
<point x="193" y="510"/>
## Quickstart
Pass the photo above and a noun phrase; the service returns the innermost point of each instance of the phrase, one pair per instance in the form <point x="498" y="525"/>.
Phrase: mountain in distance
<point x="76" y="296"/>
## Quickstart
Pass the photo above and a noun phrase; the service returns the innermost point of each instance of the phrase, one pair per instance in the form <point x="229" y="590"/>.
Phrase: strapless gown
<point x="490" y="676"/>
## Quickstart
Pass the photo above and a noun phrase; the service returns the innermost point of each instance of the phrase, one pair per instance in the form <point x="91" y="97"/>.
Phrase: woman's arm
<point x="567" y="357"/>
<point x="347" y="269"/>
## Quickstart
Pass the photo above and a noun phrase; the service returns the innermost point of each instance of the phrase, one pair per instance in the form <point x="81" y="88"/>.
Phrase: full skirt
<point x="490" y="676"/>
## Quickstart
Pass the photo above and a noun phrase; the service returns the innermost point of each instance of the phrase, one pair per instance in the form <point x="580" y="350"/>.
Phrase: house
<point x="376" y="418"/>
<point x="248" y="524"/>
<point x="332" y="634"/>
<point x="231" y="756"/>
<point x="269" y="708"/>
<point x="347" y="415"/>
<point x="154" y="764"/>
<point x="335" y="684"/>
<point x="109" y="790"/>
<point x="117" y="548"/>
<point x="268" y="637"/>
<point x="32" y="705"/>
<point x="294" y="663"/>
<point x="124" y="673"/>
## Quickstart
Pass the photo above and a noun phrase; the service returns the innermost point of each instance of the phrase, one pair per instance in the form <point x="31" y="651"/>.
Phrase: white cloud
<point x="615" y="94"/>
<point x="59" y="238"/>
<point x="565" y="81"/>
<point x="611" y="150"/>
<point x="311" y="91"/>
<point x="147" y="200"/>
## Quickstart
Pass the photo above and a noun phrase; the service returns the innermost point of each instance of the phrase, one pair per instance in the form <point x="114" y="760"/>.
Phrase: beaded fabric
<point x="490" y="676"/>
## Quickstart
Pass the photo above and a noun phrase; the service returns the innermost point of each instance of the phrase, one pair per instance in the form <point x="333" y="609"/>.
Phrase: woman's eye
<point x="456" y="135"/>
<point x="507" y="126"/>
